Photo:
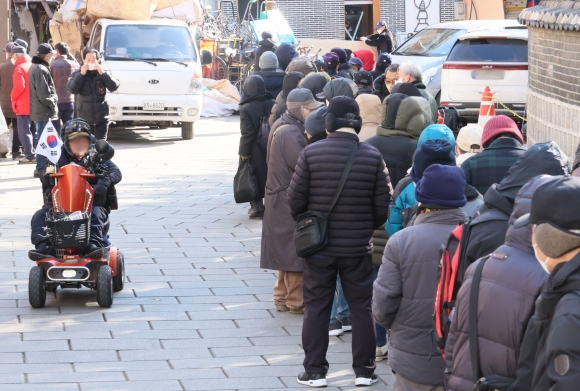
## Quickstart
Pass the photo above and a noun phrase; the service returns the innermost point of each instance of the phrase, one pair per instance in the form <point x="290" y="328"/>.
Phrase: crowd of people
<point x="358" y="141"/>
<point x="51" y="86"/>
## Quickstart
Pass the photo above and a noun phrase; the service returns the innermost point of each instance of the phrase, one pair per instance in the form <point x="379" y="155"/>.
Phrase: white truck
<point x="159" y="69"/>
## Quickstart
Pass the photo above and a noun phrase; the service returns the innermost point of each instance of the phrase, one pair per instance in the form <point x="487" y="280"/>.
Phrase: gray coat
<point x="404" y="295"/>
<point x="284" y="147"/>
<point x="511" y="282"/>
<point x="43" y="98"/>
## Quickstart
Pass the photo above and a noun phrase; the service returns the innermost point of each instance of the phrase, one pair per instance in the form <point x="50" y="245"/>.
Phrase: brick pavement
<point x="196" y="312"/>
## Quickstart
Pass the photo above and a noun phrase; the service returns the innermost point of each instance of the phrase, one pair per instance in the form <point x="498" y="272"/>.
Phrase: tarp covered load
<point x="121" y="10"/>
<point x="220" y="99"/>
<point x="188" y="11"/>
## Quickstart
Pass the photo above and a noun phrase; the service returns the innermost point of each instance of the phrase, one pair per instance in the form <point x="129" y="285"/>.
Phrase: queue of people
<point x="363" y="152"/>
<point x="51" y="86"/>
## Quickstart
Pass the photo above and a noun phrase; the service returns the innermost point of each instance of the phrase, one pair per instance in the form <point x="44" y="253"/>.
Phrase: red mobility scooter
<point x="68" y="226"/>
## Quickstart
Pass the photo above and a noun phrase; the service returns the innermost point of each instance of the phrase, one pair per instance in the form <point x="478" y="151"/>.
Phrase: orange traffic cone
<point x="487" y="109"/>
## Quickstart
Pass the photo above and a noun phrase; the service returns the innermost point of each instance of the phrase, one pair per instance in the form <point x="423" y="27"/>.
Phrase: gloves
<point x="244" y="158"/>
<point x="100" y="190"/>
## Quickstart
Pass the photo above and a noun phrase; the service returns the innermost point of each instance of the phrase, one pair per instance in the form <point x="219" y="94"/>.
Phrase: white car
<point x="496" y="58"/>
<point x="159" y="69"/>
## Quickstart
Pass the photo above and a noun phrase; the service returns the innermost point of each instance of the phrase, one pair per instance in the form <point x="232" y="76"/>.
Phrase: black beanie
<point x="343" y="112"/>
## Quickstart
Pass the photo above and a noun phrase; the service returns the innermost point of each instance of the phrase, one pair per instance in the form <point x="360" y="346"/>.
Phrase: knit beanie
<point x="439" y="151"/>
<point x="343" y="112"/>
<point x="340" y="53"/>
<point x="268" y="60"/>
<point x="442" y="186"/>
<point x="435" y="132"/>
<point x="502" y="124"/>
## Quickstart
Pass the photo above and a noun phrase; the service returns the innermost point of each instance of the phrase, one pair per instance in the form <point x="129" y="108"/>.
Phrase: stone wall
<point x="554" y="92"/>
<point x="320" y="19"/>
<point x="393" y="12"/>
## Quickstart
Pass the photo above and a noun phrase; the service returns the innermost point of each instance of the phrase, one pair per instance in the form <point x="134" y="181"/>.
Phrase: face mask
<point x="13" y="61"/>
<point x="544" y="264"/>
<point x="390" y="87"/>
<point x="399" y="81"/>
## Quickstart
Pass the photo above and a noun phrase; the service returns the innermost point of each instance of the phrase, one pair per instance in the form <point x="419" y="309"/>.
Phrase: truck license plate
<point x="153" y="105"/>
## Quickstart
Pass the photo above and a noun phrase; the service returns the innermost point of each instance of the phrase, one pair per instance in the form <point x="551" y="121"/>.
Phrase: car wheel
<point x="187" y="130"/>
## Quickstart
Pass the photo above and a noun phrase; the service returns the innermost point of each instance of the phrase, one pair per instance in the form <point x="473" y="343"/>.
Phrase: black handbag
<point x="492" y="382"/>
<point x="246" y="184"/>
<point x="310" y="233"/>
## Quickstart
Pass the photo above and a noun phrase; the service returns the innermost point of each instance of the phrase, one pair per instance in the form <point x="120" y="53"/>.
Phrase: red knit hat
<point x="498" y="125"/>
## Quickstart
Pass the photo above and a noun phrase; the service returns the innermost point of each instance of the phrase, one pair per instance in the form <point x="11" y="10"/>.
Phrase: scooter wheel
<point x="119" y="279"/>
<point x="36" y="288"/>
<point x="105" y="286"/>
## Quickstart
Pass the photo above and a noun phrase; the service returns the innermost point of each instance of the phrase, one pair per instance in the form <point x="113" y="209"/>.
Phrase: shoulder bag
<point x="310" y="232"/>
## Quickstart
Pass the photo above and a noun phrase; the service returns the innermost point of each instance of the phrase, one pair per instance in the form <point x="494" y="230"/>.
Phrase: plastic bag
<point x="4" y="143"/>
<point x="246" y="183"/>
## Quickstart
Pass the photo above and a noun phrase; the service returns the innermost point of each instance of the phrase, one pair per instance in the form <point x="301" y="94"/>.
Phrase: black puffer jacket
<point x="550" y="354"/>
<point x="345" y="70"/>
<point x="265" y="45"/>
<point x="383" y="41"/>
<point x="511" y="282"/>
<point x="273" y="80"/>
<point x="364" y="202"/>
<point x="543" y="158"/>
<point x="90" y="93"/>
<point x="257" y="105"/>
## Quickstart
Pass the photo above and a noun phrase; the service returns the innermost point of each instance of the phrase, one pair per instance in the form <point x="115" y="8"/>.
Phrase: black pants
<point x="100" y="130"/>
<point x="356" y="275"/>
<point x="15" y="140"/>
<point x="65" y="113"/>
<point x="99" y="216"/>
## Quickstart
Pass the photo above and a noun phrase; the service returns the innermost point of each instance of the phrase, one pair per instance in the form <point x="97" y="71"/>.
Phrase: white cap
<point x="469" y="137"/>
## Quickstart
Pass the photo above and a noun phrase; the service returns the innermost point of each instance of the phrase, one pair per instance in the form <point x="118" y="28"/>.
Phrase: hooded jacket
<point x="90" y="92"/>
<point x="286" y="141"/>
<point x="20" y="94"/>
<point x="432" y="102"/>
<point x="363" y="203"/>
<point x="273" y="80"/>
<point x="367" y="57"/>
<point x="285" y="53"/>
<point x="543" y="158"/>
<point x="314" y="82"/>
<point x="380" y="67"/>
<point x="549" y="357"/>
<point x="291" y="81"/>
<point x="43" y="98"/>
<point x="265" y="45"/>
<point x="397" y="135"/>
<point x="257" y="105"/>
<point x="300" y="64"/>
<point x="370" y="112"/>
<point x="511" y="281"/>
<point x="345" y="70"/>
<point x="383" y="41"/>
<point x="404" y="295"/>
<point x="381" y="89"/>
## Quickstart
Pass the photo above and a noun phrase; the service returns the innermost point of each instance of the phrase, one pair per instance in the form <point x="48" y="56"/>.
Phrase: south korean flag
<point x="49" y="144"/>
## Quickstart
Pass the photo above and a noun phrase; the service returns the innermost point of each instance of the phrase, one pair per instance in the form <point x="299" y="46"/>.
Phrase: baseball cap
<point x="556" y="216"/>
<point x="22" y="43"/>
<point x="469" y="138"/>
<point x="45" y="48"/>
<point x="76" y="134"/>
<point x="303" y="97"/>
<point x="331" y="59"/>
<point x="17" y="50"/>
<point x="8" y="48"/>
<point x="356" y="61"/>
<point x="363" y="78"/>
<point x="381" y="24"/>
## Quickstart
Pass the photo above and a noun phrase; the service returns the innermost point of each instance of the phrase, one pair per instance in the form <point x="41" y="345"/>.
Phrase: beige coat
<point x="370" y="111"/>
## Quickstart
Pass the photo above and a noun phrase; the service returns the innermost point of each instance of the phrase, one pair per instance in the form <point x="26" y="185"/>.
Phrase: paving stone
<point x="40" y="387"/>
<point x="114" y="344"/>
<point x="205" y="343"/>
<point x="165" y="385"/>
<point x="164" y="354"/>
<point x="75" y="377"/>
<point x="219" y="362"/>
<point x="234" y="384"/>
<point x="176" y="374"/>
<point x="120" y="366"/>
<point x="71" y="356"/>
<point x="43" y="336"/>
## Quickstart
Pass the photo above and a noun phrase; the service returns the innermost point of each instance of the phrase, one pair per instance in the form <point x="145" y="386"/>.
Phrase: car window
<point x="149" y="41"/>
<point x="96" y="41"/>
<point x="490" y="50"/>
<point x="430" y="42"/>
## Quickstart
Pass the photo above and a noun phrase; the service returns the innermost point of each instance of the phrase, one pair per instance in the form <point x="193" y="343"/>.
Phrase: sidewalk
<point x="196" y="312"/>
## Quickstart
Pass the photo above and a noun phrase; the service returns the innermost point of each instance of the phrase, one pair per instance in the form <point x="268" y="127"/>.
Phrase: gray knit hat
<point x="268" y="60"/>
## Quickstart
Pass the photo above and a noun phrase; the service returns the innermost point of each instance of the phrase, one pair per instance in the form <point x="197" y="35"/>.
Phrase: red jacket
<point x="367" y="56"/>
<point x="21" y="90"/>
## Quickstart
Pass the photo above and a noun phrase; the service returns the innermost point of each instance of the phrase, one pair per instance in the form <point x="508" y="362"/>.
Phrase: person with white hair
<point x="410" y="72"/>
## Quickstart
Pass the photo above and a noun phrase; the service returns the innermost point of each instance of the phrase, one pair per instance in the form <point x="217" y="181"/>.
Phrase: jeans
<point x="25" y="136"/>
<point x="41" y="160"/>
<point x="340" y="308"/>
<point x="66" y="112"/>
<point x="380" y="330"/>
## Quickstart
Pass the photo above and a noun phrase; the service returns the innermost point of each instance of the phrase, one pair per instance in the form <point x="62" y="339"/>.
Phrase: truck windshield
<point x="144" y="42"/>
<point x="430" y="42"/>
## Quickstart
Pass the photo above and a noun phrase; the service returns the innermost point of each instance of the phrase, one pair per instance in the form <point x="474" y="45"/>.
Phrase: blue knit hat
<point x="442" y="186"/>
<point x="438" y="151"/>
<point x="434" y="132"/>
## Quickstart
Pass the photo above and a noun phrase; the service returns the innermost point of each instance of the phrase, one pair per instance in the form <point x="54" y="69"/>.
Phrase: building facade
<point x="553" y="109"/>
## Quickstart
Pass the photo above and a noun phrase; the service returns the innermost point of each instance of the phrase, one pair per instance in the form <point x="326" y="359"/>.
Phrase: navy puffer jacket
<point x="364" y="202"/>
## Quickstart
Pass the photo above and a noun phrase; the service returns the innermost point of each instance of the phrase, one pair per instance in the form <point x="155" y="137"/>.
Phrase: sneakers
<point x="382" y="352"/>
<point x="297" y="311"/>
<point x="335" y="329"/>
<point x="364" y="381"/>
<point x="25" y="160"/>
<point x="312" y="380"/>
<point x="346" y="325"/>
<point x="282" y="308"/>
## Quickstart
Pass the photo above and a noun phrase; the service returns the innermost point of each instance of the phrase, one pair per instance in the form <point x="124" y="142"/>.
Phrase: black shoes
<point x="365" y="381"/>
<point x="93" y="251"/>
<point x="311" y="379"/>
<point x="257" y="214"/>
<point x="256" y="210"/>
<point x="41" y="252"/>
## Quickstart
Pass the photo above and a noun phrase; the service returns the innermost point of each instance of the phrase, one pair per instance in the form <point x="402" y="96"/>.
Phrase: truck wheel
<point x="119" y="279"/>
<point x="105" y="286"/>
<point x="187" y="130"/>
<point x="36" y="288"/>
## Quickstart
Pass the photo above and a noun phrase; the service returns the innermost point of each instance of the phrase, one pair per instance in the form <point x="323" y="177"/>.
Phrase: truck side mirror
<point x="206" y="57"/>
<point x="105" y="150"/>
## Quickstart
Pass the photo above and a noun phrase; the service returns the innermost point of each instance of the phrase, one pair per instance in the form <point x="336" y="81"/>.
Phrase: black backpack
<point x="264" y="132"/>
<point x="452" y="119"/>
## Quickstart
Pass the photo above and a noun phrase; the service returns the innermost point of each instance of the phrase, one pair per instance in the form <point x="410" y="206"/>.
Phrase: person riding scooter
<point x="78" y="149"/>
